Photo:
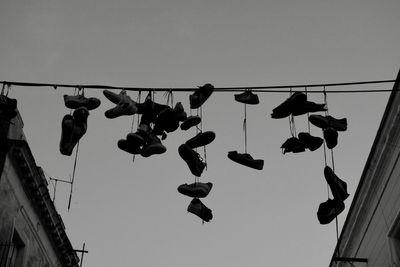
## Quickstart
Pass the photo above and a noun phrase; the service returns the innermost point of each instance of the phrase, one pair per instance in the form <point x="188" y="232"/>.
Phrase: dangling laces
<point x="245" y="128"/>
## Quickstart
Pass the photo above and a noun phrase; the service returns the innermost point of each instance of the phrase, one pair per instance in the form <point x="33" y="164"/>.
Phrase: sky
<point x="130" y="213"/>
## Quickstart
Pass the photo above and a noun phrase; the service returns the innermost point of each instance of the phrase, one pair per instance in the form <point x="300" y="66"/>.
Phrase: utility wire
<point x="272" y="89"/>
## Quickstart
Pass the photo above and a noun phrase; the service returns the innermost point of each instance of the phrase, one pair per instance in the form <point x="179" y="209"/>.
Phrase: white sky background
<point x="130" y="214"/>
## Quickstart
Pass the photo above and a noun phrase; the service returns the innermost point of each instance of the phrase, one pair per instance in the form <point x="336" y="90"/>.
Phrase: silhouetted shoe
<point x="247" y="97"/>
<point x="8" y="107"/>
<point x="329" y="210"/>
<point x="201" y="139"/>
<point x="153" y="148"/>
<point x="190" y="122"/>
<point x="113" y="97"/>
<point x="200" y="95"/>
<point x="126" y="106"/>
<point x="337" y="186"/>
<point x="192" y="159"/>
<point x="80" y="124"/>
<point x="294" y="145"/>
<point x="246" y="160"/>
<point x="198" y="208"/>
<point x="331" y="137"/>
<point x="310" y="142"/>
<point x="197" y="190"/>
<point x="180" y="112"/>
<point x="76" y="101"/>
<point x="286" y="108"/>
<point x="166" y="120"/>
<point x="67" y="126"/>
<point x="129" y="147"/>
<point x="324" y="122"/>
<point x="308" y="107"/>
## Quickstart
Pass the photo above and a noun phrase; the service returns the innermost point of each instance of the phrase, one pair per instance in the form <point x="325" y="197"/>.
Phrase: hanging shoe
<point x="153" y="148"/>
<point x="246" y="160"/>
<point x="166" y="120"/>
<point x="113" y="97"/>
<point x="80" y="124"/>
<point x="201" y="139"/>
<point x="200" y="96"/>
<point x="131" y="148"/>
<point x="308" y="107"/>
<point x="286" y="108"/>
<point x="8" y="107"/>
<point x="247" y="97"/>
<point x="197" y="190"/>
<point x="192" y="159"/>
<point x="76" y="101"/>
<point x="126" y="106"/>
<point x="180" y="112"/>
<point x="324" y="122"/>
<point x="67" y="126"/>
<point x="310" y="142"/>
<point x="329" y="210"/>
<point x="198" y="208"/>
<point x="190" y="122"/>
<point x="331" y="137"/>
<point x="337" y="186"/>
<point x="294" y="145"/>
<point x="141" y="136"/>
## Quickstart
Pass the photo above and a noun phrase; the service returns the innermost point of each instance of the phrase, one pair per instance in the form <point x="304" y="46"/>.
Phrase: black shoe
<point x="76" y="101"/>
<point x="294" y="145"/>
<point x="200" y="96"/>
<point x="129" y="147"/>
<point x="201" y="139"/>
<point x="247" y="97"/>
<point x="72" y="130"/>
<point x="190" y="122"/>
<point x="246" y="160"/>
<point x="126" y="106"/>
<point x="8" y="107"/>
<point x="331" y="137"/>
<point x="166" y="120"/>
<point x="329" y="210"/>
<point x="324" y="122"/>
<point x="337" y="186"/>
<point x="192" y="159"/>
<point x="197" y="190"/>
<point x="67" y="126"/>
<point x="310" y="142"/>
<point x="153" y="147"/>
<point x="180" y="112"/>
<point x="308" y="107"/>
<point x="286" y="108"/>
<point x="198" y="208"/>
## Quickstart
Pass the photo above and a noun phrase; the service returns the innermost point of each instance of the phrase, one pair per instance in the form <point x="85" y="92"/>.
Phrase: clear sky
<point x="130" y="214"/>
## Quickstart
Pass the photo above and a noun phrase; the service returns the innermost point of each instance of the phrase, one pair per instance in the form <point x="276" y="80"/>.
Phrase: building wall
<point x="372" y="227"/>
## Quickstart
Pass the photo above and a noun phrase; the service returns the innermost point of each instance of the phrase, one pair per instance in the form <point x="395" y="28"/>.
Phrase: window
<point x="12" y="252"/>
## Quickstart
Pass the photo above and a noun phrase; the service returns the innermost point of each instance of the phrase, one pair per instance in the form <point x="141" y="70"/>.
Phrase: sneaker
<point x="294" y="145"/>
<point x="310" y="142"/>
<point x="247" y="97"/>
<point x="76" y="101"/>
<point x="329" y="210"/>
<point x="190" y="122"/>
<point x="246" y="160"/>
<point x="331" y="137"/>
<point x="198" y="208"/>
<point x="337" y="186"/>
<point x="201" y="139"/>
<point x="166" y="120"/>
<point x="324" y="122"/>
<point x="308" y="107"/>
<point x="286" y="108"/>
<point x="200" y="96"/>
<point x="67" y="126"/>
<point x="126" y="106"/>
<point x="113" y="97"/>
<point x="153" y="148"/>
<point x="197" y="190"/>
<point x="192" y="159"/>
<point x="180" y="112"/>
<point x="8" y="107"/>
<point x="129" y="147"/>
<point x="80" y="124"/>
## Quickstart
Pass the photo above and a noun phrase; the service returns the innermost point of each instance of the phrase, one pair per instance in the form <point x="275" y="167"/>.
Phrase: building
<point x="32" y="233"/>
<point x="371" y="232"/>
